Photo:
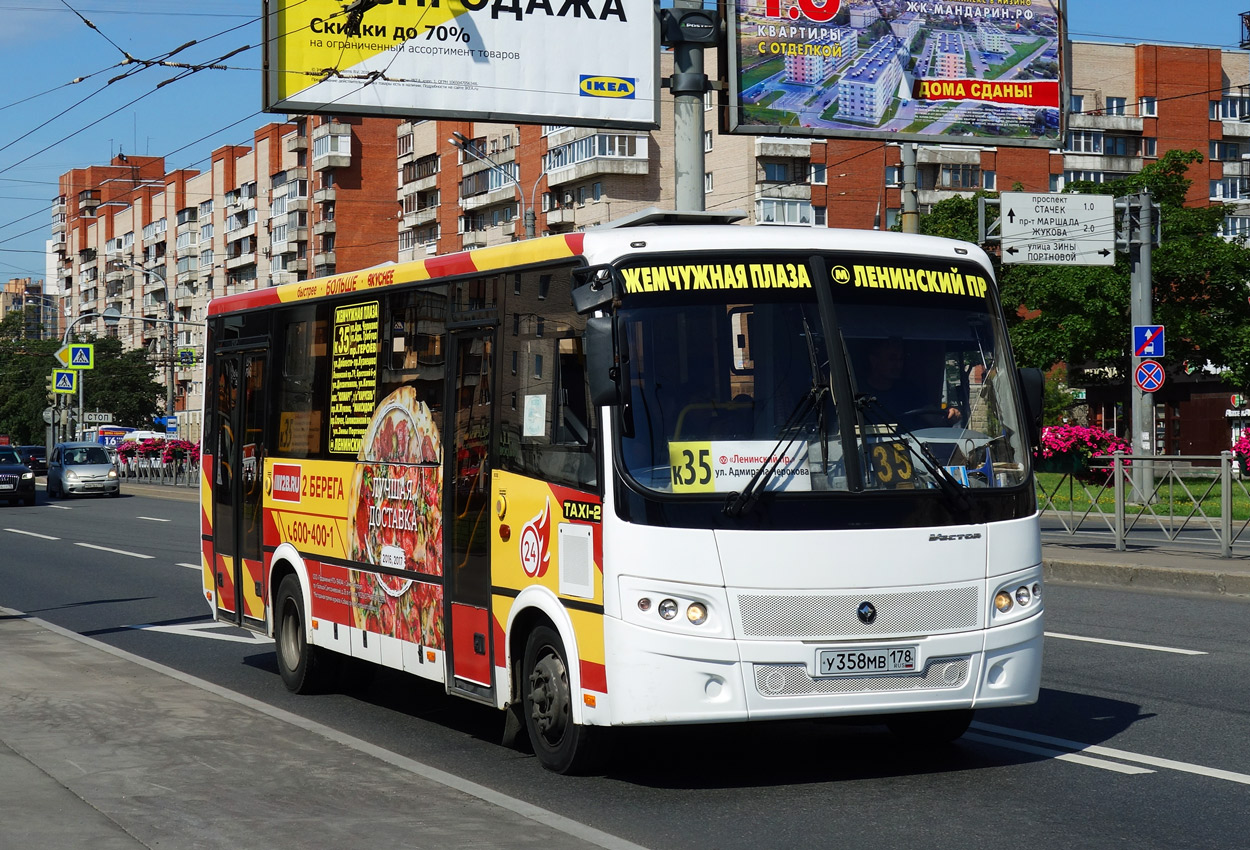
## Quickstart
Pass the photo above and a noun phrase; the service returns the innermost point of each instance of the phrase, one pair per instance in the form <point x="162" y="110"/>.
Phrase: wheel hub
<point x="549" y="696"/>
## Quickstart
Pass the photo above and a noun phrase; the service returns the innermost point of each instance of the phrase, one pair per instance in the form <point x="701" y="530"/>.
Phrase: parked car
<point x="17" y="482"/>
<point x="36" y="457"/>
<point x="80" y="468"/>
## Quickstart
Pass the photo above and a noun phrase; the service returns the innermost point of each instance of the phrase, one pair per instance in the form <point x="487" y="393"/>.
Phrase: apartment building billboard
<point x="985" y="70"/>
<point x="580" y="62"/>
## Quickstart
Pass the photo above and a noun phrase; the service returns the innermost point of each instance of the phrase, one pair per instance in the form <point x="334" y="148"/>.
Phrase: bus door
<point x="467" y="522"/>
<point x="238" y="486"/>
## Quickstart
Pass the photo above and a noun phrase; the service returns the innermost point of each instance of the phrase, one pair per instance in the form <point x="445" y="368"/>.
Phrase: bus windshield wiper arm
<point x="945" y="481"/>
<point x="738" y="503"/>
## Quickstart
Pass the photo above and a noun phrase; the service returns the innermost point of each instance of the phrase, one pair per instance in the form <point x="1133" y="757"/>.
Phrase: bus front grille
<point x="828" y="616"/>
<point x="789" y="680"/>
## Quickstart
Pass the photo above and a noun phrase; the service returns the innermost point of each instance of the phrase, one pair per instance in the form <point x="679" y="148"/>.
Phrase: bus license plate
<point x="867" y="661"/>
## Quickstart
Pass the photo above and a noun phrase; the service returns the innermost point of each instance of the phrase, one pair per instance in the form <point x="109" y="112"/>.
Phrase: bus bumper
<point x="667" y="678"/>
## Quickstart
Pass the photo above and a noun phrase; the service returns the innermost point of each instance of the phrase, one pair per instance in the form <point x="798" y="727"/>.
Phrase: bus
<point x="643" y="474"/>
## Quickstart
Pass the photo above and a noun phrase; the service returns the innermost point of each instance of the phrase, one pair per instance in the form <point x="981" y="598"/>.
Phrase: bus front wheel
<point x="561" y="745"/>
<point x="930" y="728"/>
<point x="305" y="669"/>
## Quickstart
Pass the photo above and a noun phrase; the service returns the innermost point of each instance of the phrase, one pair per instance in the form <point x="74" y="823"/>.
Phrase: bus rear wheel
<point x="931" y="728"/>
<point x="305" y="669"/>
<point x="561" y="745"/>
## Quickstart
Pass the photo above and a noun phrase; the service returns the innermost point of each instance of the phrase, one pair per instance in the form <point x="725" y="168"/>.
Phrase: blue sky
<point x="49" y="124"/>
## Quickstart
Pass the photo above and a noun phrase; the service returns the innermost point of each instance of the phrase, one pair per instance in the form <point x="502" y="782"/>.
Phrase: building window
<point x="1148" y="107"/>
<point x="1056" y="182"/>
<point x="1076" y="103"/>
<point x="1231" y="108"/>
<point x="959" y="176"/>
<point x="1235" y="227"/>
<point x="1082" y="176"/>
<point x="778" y="211"/>
<point x="893" y="175"/>
<point x="707" y="141"/>
<point x="988" y="180"/>
<point x="1115" y="105"/>
<point x="1122" y="145"/>
<point x="776" y="172"/>
<point x="707" y="181"/>
<point x="818" y="216"/>
<point x="1148" y="146"/>
<point x="1227" y="189"/>
<point x="816" y="173"/>
<point x="1225" y="151"/>
<point x="1083" y="141"/>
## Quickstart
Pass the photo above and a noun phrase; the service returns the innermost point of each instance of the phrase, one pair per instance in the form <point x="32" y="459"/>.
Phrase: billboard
<point x="898" y="69"/>
<point x="581" y="62"/>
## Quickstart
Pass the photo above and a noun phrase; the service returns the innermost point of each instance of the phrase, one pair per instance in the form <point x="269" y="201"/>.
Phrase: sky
<point x="79" y="87"/>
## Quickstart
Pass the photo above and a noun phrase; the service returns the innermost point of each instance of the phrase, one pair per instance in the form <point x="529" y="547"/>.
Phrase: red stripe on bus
<point x="452" y="264"/>
<point x="267" y="297"/>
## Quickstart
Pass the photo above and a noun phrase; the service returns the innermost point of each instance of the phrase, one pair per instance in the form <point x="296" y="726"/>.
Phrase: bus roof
<point x="603" y="245"/>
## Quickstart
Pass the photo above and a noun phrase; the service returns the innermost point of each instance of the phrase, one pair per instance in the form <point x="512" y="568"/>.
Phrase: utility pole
<point x="1139" y="229"/>
<point x="169" y="378"/>
<point x="911" y="206"/>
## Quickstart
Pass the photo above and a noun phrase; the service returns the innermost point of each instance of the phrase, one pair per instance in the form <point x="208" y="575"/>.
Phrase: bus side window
<point x="547" y="425"/>
<point x="302" y="342"/>
<point x="415" y="340"/>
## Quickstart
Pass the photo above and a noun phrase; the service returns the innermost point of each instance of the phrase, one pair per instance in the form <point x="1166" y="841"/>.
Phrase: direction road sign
<point x="1058" y="230"/>
<point x="64" y="381"/>
<point x="1148" y="376"/>
<point x="1148" y="341"/>
<point x="77" y="356"/>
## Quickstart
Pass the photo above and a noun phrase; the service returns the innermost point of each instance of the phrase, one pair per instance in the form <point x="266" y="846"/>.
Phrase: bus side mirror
<point x="1033" y="382"/>
<point x="603" y="370"/>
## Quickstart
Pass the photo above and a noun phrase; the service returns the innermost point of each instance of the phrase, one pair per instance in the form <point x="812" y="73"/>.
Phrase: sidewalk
<point x="1169" y="567"/>
<point x="99" y="749"/>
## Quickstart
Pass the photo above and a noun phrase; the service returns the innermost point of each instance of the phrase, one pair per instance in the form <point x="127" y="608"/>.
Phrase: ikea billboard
<point x="987" y="70"/>
<point x="580" y="62"/>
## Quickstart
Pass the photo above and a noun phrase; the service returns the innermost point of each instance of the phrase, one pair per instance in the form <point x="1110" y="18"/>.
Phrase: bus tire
<point x="561" y="745"/>
<point x="305" y="669"/>
<point x="931" y="728"/>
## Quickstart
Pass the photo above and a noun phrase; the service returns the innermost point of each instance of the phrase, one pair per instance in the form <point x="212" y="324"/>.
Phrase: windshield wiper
<point x="738" y="503"/>
<point x="946" y="482"/>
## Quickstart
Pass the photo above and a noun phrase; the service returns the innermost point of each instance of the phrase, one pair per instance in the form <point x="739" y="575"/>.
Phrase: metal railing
<point x="1191" y="495"/>
<point x="152" y="470"/>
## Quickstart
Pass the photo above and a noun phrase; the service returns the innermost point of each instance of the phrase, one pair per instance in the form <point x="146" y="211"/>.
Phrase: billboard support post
<point x="688" y="85"/>
<point x="911" y="209"/>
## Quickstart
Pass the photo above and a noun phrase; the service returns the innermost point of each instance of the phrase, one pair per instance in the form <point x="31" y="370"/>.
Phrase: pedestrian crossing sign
<point x="77" y="356"/>
<point x="64" y="380"/>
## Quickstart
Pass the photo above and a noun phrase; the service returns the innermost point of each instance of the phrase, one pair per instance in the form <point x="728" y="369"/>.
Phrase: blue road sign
<point x="1148" y="341"/>
<point x="1148" y="376"/>
<point x="65" y="380"/>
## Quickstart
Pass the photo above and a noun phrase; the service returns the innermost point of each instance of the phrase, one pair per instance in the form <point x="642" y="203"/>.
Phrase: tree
<point x="121" y="382"/>
<point x="1079" y="314"/>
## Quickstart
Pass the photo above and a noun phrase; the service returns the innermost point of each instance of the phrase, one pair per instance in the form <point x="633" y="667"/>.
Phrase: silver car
<point x="79" y="468"/>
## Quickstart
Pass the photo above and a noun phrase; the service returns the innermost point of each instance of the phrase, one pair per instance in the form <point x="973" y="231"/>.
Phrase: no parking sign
<point x="1148" y="376"/>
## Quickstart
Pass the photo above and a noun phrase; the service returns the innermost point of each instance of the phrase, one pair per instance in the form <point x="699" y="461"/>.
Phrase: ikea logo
<point x="593" y="86"/>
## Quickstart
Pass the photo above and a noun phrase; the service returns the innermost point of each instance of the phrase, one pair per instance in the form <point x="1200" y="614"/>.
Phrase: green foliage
<point x="1079" y="314"/>
<point x="1057" y="399"/>
<point x="121" y="382"/>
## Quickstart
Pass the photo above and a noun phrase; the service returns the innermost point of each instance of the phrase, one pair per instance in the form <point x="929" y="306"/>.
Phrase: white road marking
<point x="60" y="507"/>
<point x="1060" y="755"/>
<point x="195" y="567"/>
<point x="1125" y="644"/>
<point x="32" y="534"/>
<point x="115" y="551"/>
<point x="153" y="519"/>
<point x="1123" y="755"/>
<point x="203" y="630"/>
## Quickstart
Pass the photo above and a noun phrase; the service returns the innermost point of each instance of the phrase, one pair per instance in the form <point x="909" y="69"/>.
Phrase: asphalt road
<point x="1139" y="738"/>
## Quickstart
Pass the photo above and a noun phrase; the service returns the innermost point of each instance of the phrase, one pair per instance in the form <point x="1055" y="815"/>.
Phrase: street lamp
<point x="465" y="146"/>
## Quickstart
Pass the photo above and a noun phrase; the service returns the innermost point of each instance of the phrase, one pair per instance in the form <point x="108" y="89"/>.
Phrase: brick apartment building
<point x="316" y="195"/>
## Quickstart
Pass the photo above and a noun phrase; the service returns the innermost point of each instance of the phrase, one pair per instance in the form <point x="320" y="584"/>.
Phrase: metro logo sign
<point x="813" y="10"/>
<point x="286" y="482"/>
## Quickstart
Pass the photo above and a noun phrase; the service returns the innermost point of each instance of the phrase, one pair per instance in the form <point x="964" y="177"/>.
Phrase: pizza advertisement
<point x="396" y="523"/>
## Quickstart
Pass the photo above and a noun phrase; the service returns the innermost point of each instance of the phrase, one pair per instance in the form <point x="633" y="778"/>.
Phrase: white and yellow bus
<point x="646" y="474"/>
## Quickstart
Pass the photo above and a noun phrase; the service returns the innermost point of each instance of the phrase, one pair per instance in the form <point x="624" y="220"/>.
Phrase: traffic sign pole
<point x="1141" y="305"/>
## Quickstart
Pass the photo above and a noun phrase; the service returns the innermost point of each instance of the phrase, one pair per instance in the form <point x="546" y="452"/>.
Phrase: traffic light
<point x="51" y="388"/>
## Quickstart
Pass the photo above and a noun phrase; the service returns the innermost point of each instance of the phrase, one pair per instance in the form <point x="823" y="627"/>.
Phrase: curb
<point x="1212" y="582"/>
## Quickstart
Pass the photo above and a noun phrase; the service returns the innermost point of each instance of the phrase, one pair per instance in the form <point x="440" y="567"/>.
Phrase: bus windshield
<point x="734" y="379"/>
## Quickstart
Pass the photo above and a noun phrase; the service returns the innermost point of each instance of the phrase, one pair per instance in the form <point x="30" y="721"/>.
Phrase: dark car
<point x="36" y="457"/>
<point x="17" y="482"/>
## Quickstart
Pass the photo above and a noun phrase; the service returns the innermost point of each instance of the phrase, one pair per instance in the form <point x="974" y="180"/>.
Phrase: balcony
<point x="489" y="199"/>
<point x="420" y="217"/>
<point x="187" y="276"/>
<point x="324" y="226"/>
<point x="296" y="143"/>
<point x="247" y="259"/>
<point x="324" y="259"/>
<point x="561" y="217"/>
<point x="474" y="239"/>
<point x="324" y="196"/>
<point x="297" y="205"/>
<point x="1114" y="123"/>
<point x="783" y="148"/>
